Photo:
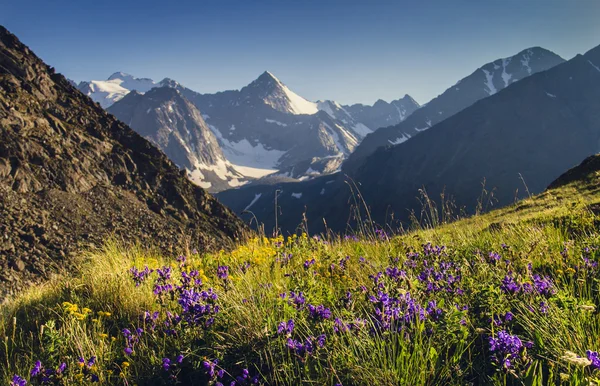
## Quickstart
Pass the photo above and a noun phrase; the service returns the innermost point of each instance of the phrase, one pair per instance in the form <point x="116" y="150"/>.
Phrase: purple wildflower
<point x="593" y="357"/>
<point x="509" y="285"/>
<point x="285" y="328"/>
<point x="319" y="312"/>
<point x="37" y="369"/>
<point x="223" y="272"/>
<point x="18" y="381"/>
<point x="494" y="257"/>
<point x="505" y="349"/>
<point x="543" y="285"/>
<point x="140" y="276"/>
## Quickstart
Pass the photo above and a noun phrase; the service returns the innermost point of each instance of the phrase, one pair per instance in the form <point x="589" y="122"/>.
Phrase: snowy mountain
<point x="266" y="125"/>
<point x="382" y="113"/>
<point x="164" y="117"/>
<point x="263" y="129"/>
<point x="483" y="82"/>
<point x="119" y="84"/>
<point x="536" y="127"/>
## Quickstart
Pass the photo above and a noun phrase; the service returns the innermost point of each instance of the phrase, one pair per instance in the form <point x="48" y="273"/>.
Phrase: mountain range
<point x="516" y="141"/>
<point x="483" y="82"/>
<point x="263" y="129"/>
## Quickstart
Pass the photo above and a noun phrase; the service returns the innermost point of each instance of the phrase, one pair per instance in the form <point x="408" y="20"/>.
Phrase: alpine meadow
<point x="232" y="231"/>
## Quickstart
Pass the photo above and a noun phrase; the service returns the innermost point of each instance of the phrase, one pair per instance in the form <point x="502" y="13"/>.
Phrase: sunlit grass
<point x="83" y="315"/>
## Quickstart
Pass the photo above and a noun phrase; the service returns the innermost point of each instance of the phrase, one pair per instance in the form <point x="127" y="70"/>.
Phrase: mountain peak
<point x="277" y="95"/>
<point x="120" y="75"/>
<point x="408" y="99"/>
<point x="266" y="79"/>
<point x="267" y="75"/>
<point x="168" y="82"/>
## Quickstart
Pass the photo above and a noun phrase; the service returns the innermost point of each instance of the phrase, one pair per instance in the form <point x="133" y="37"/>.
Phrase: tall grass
<point x="400" y="310"/>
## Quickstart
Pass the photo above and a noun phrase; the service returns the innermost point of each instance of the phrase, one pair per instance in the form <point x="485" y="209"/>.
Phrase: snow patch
<point x="505" y="76"/>
<point x="593" y="65"/>
<point x="256" y="197"/>
<point x="250" y="160"/>
<point x="398" y="141"/>
<point x="298" y="104"/>
<point x="325" y="106"/>
<point x="525" y="60"/>
<point x="275" y="122"/>
<point x="489" y="82"/>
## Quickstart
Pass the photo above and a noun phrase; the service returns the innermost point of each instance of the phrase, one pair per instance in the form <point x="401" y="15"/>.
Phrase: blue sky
<point x="349" y="51"/>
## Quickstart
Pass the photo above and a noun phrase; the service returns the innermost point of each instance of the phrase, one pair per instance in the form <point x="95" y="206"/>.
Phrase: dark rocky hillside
<point x="483" y="82"/>
<point x="72" y="175"/>
<point x="586" y="172"/>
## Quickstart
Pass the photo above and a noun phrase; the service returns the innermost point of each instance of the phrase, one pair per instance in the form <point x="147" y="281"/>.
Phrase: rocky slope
<point x="382" y="113"/>
<point x="167" y="119"/>
<point x="483" y="82"/>
<point x="586" y="172"/>
<point x="72" y="175"/>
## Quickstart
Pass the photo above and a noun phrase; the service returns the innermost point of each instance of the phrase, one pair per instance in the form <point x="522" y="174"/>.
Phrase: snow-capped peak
<point x="277" y="95"/>
<point x="119" y="84"/>
<point x="168" y="82"/>
<point x="120" y="75"/>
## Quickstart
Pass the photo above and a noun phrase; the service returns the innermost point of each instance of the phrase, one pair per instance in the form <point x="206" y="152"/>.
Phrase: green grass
<point x="547" y="235"/>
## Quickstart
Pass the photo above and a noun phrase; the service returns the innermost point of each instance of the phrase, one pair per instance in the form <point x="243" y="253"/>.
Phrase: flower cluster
<point x="541" y="285"/>
<point x="295" y="298"/>
<point x="285" y="328"/>
<point x="140" y="276"/>
<point x="131" y="339"/>
<point x="43" y="375"/>
<point x="74" y="310"/>
<point x="198" y="307"/>
<point x="391" y="312"/>
<point x="17" y="380"/>
<point x="245" y="379"/>
<point x="445" y="277"/>
<point x="223" y="272"/>
<point x="592" y="356"/>
<point x="308" y="347"/>
<point x="507" y="349"/>
<point x="88" y="369"/>
<point x="319" y="312"/>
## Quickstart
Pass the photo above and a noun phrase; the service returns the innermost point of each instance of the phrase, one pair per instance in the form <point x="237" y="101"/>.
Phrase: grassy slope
<point x="451" y="346"/>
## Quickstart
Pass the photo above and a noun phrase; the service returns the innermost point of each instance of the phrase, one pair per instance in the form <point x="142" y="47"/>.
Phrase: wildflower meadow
<point x="510" y="297"/>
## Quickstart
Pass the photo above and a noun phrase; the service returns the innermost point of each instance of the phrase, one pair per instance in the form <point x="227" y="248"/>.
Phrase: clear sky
<point x="350" y="51"/>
